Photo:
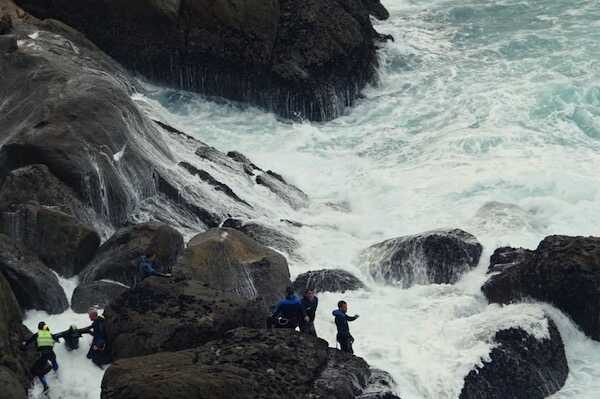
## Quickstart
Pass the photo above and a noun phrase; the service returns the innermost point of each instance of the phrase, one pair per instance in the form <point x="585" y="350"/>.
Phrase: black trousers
<point x="346" y="341"/>
<point x="308" y="327"/>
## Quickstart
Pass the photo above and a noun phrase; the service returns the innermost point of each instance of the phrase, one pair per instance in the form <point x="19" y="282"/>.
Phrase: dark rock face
<point x="305" y="58"/>
<point x="62" y="243"/>
<point x="13" y="367"/>
<point x="246" y="363"/>
<point x="96" y="293"/>
<point x="33" y="284"/>
<point x="564" y="271"/>
<point x="327" y="280"/>
<point x="289" y="193"/>
<point x="264" y="235"/>
<point x="521" y="367"/>
<point x="380" y="386"/>
<point x="437" y="256"/>
<point x="233" y="262"/>
<point x="167" y="315"/>
<point x="117" y="259"/>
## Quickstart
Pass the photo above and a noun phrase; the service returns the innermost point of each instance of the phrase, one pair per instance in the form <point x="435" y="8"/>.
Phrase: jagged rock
<point x="233" y="262"/>
<point x="97" y="293"/>
<point x="207" y="178"/>
<point x="62" y="243"/>
<point x="249" y="167"/>
<point x="300" y="58"/>
<point x="167" y="315"/>
<point x="34" y="285"/>
<point x="245" y="363"/>
<point x="6" y="24"/>
<point x="380" y="386"/>
<point x="291" y="194"/>
<point x="327" y="280"/>
<point x="117" y="259"/>
<point x="36" y="184"/>
<point x="437" y="256"/>
<point x="520" y="367"/>
<point x="264" y="235"/>
<point x="564" y="271"/>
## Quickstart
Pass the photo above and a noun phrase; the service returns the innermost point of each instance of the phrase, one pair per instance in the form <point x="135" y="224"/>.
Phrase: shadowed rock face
<point x="169" y="315"/>
<point x="229" y="260"/>
<point x="96" y="293"/>
<point x="327" y="280"/>
<point x="34" y="285"/>
<point x="298" y="58"/>
<point x="564" y="271"/>
<point x="245" y="363"/>
<point x="520" y="367"/>
<point x="437" y="256"/>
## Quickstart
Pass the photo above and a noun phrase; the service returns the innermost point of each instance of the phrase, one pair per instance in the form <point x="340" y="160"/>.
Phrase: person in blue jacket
<point x="148" y="265"/>
<point x="343" y="330"/>
<point x="289" y="312"/>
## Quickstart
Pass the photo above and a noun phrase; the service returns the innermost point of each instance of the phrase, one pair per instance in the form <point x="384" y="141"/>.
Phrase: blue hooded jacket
<point x="290" y="309"/>
<point x="341" y="321"/>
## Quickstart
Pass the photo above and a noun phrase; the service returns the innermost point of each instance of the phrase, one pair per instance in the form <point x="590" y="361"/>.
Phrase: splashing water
<point x="487" y="118"/>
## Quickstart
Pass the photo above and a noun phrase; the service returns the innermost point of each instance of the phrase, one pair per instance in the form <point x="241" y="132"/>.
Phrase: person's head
<point x="151" y="255"/>
<point x="289" y="292"/>
<point x="309" y="294"/>
<point x="93" y="313"/>
<point x="343" y="306"/>
<point x="43" y="326"/>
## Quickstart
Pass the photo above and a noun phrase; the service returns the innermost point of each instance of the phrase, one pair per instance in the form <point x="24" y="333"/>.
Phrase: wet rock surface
<point x="264" y="235"/>
<point x="437" y="256"/>
<point x="169" y="315"/>
<point x="520" y="367"/>
<point x="289" y="193"/>
<point x="562" y="270"/>
<point x="327" y="280"/>
<point x="95" y="293"/>
<point x="117" y="259"/>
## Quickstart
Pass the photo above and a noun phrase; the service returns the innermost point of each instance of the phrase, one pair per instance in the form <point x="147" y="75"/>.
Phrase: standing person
<point x="45" y="346"/>
<point x="98" y="353"/>
<point x="309" y="304"/>
<point x="148" y="265"/>
<point x="343" y="330"/>
<point x="288" y="312"/>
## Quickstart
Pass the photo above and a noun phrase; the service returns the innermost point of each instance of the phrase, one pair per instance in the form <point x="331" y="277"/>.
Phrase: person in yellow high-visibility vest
<point x="45" y="345"/>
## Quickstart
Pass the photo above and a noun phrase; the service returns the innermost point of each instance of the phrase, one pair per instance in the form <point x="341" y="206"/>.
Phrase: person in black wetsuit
<point x="343" y="330"/>
<point x="309" y="304"/>
<point x="99" y="352"/>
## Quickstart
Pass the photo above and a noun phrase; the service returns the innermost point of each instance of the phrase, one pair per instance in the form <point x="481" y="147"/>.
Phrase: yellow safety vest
<point x="44" y="339"/>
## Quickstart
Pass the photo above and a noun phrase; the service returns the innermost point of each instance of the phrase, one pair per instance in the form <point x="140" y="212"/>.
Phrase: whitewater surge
<point x="487" y="118"/>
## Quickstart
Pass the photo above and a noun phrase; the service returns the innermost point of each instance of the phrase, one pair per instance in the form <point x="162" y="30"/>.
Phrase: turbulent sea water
<point x="478" y="102"/>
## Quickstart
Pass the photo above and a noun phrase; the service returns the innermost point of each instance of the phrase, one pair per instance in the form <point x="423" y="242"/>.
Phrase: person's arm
<point x="28" y="342"/>
<point x="351" y="318"/>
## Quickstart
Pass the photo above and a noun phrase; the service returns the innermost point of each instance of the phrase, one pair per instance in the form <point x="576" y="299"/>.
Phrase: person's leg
<point x="52" y="358"/>
<point x="42" y="379"/>
<point x="311" y="329"/>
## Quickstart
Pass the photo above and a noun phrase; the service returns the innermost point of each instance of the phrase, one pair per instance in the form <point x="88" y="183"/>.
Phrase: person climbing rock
<point x="149" y="265"/>
<point x="343" y="330"/>
<point x="288" y="312"/>
<point x="309" y="304"/>
<point x="99" y="352"/>
<point x="45" y="345"/>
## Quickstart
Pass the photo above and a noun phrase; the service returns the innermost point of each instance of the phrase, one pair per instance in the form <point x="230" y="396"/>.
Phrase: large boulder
<point x="13" y="369"/>
<point x="564" y="271"/>
<point x="96" y="293"/>
<point x="245" y="364"/>
<point x="264" y="235"/>
<point x="433" y="257"/>
<point x="166" y="315"/>
<point x="306" y="58"/>
<point x="520" y="366"/>
<point x="117" y="259"/>
<point x="61" y="242"/>
<point x="233" y="262"/>
<point x="327" y="280"/>
<point x="33" y="284"/>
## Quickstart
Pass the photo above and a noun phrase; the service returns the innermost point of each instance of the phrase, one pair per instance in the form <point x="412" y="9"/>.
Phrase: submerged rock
<point x="300" y="58"/>
<point x="33" y="284"/>
<point x="433" y="257"/>
<point x="563" y="270"/>
<point x="231" y="261"/>
<point x="520" y="367"/>
<point x="96" y="293"/>
<point x="245" y="363"/>
<point x="117" y="259"/>
<point x="167" y="315"/>
<point x="327" y="280"/>
<point x="264" y="235"/>
<point x="62" y="243"/>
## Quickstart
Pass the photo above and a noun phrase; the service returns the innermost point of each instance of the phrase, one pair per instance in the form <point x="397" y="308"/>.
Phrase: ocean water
<point x="486" y="118"/>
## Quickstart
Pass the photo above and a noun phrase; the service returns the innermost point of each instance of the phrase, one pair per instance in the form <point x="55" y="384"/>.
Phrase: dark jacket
<point x="98" y="332"/>
<point x="147" y="268"/>
<point x="33" y="338"/>
<point x="341" y="322"/>
<point x="290" y="309"/>
<point x="310" y="308"/>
